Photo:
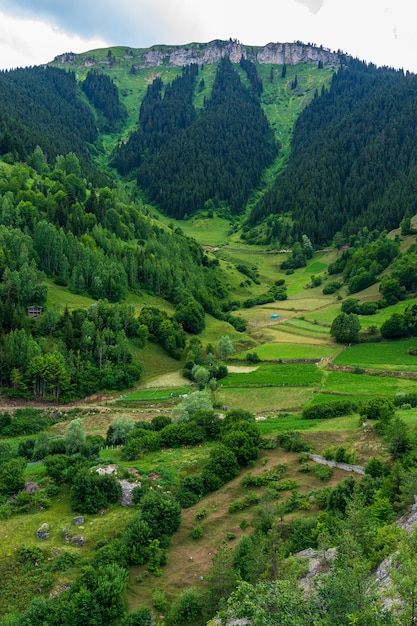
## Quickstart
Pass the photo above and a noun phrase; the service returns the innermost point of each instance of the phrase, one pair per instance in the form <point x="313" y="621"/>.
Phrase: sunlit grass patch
<point x="363" y="384"/>
<point x="275" y="351"/>
<point x="264" y="399"/>
<point x="291" y="374"/>
<point x="392" y="355"/>
<point x="155" y="394"/>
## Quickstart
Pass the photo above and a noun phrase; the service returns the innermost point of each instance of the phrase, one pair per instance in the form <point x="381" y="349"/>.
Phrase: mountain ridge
<point x="212" y="52"/>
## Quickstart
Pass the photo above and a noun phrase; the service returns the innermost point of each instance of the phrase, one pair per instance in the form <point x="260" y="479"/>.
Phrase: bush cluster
<point x="327" y="410"/>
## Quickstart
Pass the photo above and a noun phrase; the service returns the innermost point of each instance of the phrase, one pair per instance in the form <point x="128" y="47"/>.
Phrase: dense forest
<point x="104" y="95"/>
<point x="353" y="159"/>
<point x="55" y="225"/>
<point x="40" y="106"/>
<point x="218" y="155"/>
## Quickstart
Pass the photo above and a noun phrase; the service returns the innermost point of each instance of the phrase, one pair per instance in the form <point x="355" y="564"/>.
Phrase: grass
<point x="171" y="463"/>
<point x="293" y="374"/>
<point x="310" y="328"/>
<point x="59" y="298"/>
<point x="154" y="361"/>
<point x="392" y="355"/>
<point x="279" y="424"/>
<point x="365" y="385"/>
<point x="275" y="351"/>
<point x="264" y="400"/>
<point x="154" y="394"/>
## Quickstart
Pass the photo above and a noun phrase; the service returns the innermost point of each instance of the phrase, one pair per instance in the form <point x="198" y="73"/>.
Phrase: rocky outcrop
<point x="347" y="467"/>
<point x="127" y="491"/>
<point x="212" y="52"/>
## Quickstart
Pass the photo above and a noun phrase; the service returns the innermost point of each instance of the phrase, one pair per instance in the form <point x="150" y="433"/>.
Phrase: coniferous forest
<point x="353" y="158"/>
<point x="246" y="230"/>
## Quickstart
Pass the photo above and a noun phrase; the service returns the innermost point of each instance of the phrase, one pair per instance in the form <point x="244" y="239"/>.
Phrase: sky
<point x="33" y="32"/>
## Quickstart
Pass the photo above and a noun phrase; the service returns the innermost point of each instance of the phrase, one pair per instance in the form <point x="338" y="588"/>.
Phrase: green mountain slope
<point x="353" y="159"/>
<point x="134" y="71"/>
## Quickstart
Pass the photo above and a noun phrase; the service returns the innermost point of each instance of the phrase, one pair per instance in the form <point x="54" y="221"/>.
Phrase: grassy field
<point x="280" y="350"/>
<point x="265" y="400"/>
<point x="365" y="385"/>
<point x="392" y="355"/>
<point x="155" y="394"/>
<point x="291" y="375"/>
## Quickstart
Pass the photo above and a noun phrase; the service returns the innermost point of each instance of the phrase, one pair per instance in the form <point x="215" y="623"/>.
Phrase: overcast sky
<point x="35" y="31"/>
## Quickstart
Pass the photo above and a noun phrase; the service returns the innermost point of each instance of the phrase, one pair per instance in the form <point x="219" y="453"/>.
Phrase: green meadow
<point x="385" y="355"/>
<point x="265" y="375"/>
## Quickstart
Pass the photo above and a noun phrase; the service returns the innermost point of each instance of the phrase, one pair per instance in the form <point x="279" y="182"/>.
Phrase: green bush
<point x="236" y="506"/>
<point x="331" y="287"/>
<point x="323" y="472"/>
<point x="293" y="442"/>
<point x="201" y="513"/>
<point x="64" y="561"/>
<point x="197" y="532"/>
<point x="262" y="480"/>
<point x="159" y="600"/>
<point x="287" y="484"/>
<point x="327" y="410"/>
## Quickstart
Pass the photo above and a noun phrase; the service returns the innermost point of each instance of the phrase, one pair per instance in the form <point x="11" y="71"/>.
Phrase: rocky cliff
<point x="212" y="52"/>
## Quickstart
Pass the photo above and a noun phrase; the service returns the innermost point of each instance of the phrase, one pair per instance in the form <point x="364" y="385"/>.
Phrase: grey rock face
<point x="206" y="53"/>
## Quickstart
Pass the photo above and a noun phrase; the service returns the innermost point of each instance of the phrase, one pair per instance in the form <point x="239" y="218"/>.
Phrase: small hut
<point x="34" y="311"/>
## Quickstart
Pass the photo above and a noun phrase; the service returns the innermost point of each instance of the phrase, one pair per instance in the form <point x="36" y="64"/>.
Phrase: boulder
<point x="43" y="532"/>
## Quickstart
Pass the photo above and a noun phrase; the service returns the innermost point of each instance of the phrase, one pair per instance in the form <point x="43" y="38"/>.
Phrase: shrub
<point x="293" y="442"/>
<point x="30" y="554"/>
<point x="287" y="484"/>
<point x="331" y="287"/>
<point x="186" y="608"/>
<point x="64" y="561"/>
<point x="236" y="506"/>
<point x="197" y="532"/>
<point x="327" y="410"/>
<point x="262" y="480"/>
<point x="368" y="308"/>
<point x="323" y="472"/>
<point x="159" y="600"/>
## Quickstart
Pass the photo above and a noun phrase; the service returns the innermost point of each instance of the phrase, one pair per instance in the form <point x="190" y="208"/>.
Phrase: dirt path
<point x="96" y="401"/>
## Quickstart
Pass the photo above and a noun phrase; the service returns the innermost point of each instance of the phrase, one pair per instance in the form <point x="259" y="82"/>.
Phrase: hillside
<point x="202" y="381"/>
<point x="133" y="71"/>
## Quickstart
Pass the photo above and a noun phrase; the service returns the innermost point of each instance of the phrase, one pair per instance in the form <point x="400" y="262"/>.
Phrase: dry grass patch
<point x="366" y="444"/>
<point x="98" y="423"/>
<point x="171" y="379"/>
<point x="266" y="400"/>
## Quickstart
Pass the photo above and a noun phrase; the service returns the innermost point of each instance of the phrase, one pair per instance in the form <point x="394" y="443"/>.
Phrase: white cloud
<point x="31" y="42"/>
<point x="379" y="31"/>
